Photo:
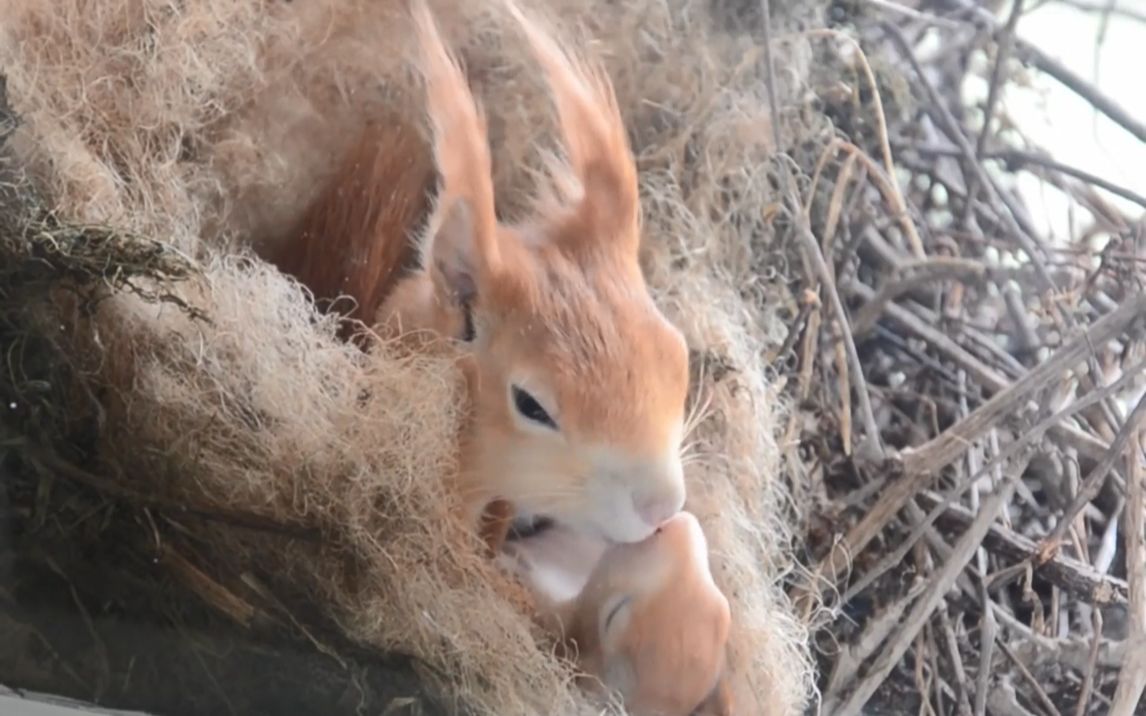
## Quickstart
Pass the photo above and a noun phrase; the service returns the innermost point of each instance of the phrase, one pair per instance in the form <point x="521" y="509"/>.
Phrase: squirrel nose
<point x="655" y="509"/>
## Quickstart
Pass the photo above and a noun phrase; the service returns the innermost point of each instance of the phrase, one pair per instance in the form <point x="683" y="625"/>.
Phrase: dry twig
<point x="1068" y="574"/>
<point x="1132" y="678"/>
<point x="1093" y="482"/>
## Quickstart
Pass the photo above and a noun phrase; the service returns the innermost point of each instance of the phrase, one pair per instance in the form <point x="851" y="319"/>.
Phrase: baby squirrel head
<point x="644" y="620"/>
<point x="653" y="624"/>
<point x="580" y="381"/>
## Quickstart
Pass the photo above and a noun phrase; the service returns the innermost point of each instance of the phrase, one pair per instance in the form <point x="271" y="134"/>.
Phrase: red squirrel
<point x="576" y="381"/>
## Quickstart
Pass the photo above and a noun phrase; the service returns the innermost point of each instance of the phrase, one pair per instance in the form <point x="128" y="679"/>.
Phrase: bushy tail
<point x="357" y="236"/>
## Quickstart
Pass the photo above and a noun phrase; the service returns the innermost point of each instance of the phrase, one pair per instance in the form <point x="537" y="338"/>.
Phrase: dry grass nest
<point x="920" y="466"/>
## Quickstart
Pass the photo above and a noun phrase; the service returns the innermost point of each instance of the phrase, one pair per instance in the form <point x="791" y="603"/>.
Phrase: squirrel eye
<point x="530" y="409"/>
<point x="615" y="611"/>
<point x="468" y="333"/>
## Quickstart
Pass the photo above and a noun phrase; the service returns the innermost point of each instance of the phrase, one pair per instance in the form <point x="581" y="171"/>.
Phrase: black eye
<point x="614" y="611"/>
<point x="528" y="406"/>
<point x="468" y="333"/>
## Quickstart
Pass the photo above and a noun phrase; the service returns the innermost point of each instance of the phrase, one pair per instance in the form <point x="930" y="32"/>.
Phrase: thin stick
<point x="994" y="382"/>
<point x="956" y="660"/>
<point x="1091" y="663"/>
<point x="1044" y="700"/>
<point x="950" y="444"/>
<point x="914" y="14"/>
<point x="208" y="589"/>
<point x="1105" y="8"/>
<point x="988" y="631"/>
<point x="915" y="466"/>
<point x="940" y="341"/>
<point x="910" y="276"/>
<point x="1018" y="158"/>
<point x="943" y="116"/>
<point x="1103" y="103"/>
<point x="1068" y="574"/>
<point x="1132" y="678"/>
<point x="1002" y="54"/>
<point x="900" y="205"/>
<point x="853" y="656"/>
<point x="1093" y="482"/>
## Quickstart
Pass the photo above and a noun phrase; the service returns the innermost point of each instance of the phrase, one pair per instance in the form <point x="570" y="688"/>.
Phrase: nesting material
<point x="210" y="126"/>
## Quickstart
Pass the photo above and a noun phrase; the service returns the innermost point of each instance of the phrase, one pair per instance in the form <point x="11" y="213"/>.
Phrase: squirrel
<point x="644" y="620"/>
<point x="577" y="382"/>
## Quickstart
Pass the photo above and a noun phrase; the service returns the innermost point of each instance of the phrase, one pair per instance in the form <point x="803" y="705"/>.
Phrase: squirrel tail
<point x="355" y="239"/>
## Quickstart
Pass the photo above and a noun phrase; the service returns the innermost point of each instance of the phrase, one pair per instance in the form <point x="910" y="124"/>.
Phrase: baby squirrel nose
<point x="655" y="510"/>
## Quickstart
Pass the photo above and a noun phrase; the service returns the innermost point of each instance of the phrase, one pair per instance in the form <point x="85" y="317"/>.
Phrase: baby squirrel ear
<point x="496" y="520"/>
<point x="718" y="702"/>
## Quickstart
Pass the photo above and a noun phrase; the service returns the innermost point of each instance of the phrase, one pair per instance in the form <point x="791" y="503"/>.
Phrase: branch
<point x="1132" y="678"/>
<point x="992" y="381"/>
<point x="1001" y="57"/>
<point x="1016" y="158"/>
<point x="1093" y="483"/>
<point x="1067" y="574"/>
<point x="1104" y="104"/>
<point x="1104" y="9"/>
<point x="914" y="467"/>
<point x="950" y="126"/>
<point x="908" y="277"/>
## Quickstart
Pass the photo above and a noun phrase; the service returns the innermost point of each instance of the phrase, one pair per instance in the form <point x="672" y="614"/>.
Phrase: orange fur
<point x="663" y="649"/>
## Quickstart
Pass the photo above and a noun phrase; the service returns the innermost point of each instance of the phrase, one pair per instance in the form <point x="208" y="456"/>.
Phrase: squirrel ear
<point x="467" y="224"/>
<point x="608" y="209"/>
<point x="453" y="264"/>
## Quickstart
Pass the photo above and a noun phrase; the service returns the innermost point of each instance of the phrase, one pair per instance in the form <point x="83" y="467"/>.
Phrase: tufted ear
<point x="462" y="243"/>
<point x="607" y="212"/>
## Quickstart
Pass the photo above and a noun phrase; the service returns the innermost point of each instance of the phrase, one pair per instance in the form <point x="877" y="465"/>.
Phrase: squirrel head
<point x="579" y="380"/>
<point x="645" y="620"/>
<point x="652" y="621"/>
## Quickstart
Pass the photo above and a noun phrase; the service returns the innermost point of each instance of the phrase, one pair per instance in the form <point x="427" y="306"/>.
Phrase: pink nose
<point x="655" y="510"/>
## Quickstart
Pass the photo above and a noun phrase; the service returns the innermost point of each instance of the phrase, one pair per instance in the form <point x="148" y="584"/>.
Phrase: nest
<point x="980" y="411"/>
<point x="920" y="455"/>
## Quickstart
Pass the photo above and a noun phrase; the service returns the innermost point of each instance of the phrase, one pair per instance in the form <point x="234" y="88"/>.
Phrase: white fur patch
<point x="559" y="561"/>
